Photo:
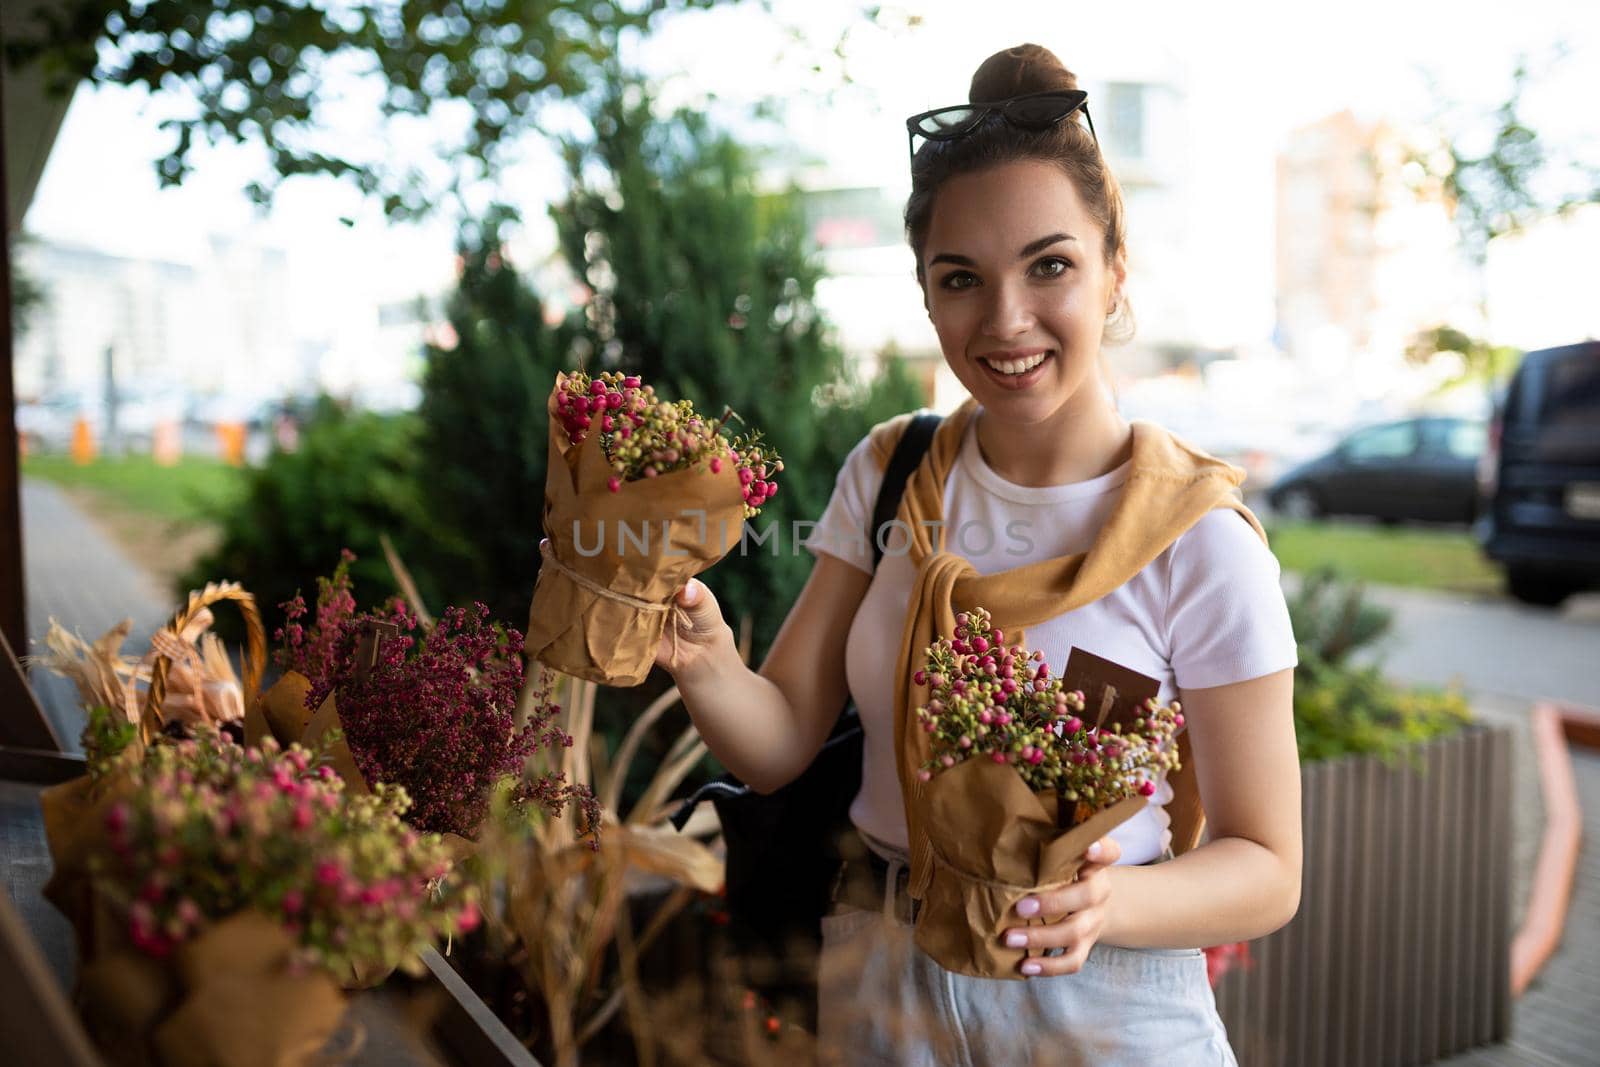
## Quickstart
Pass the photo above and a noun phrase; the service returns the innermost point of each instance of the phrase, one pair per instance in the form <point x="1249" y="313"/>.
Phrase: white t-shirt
<point x="1208" y="611"/>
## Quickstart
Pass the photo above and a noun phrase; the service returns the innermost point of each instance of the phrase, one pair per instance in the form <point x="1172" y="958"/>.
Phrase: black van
<point x="1540" y="476"/>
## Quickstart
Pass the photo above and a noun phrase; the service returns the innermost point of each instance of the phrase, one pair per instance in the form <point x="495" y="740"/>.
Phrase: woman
<point x="1018" y="230"/>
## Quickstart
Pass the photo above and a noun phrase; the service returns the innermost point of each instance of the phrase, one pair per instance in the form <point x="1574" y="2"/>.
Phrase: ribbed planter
<point x="1400" y="953"/>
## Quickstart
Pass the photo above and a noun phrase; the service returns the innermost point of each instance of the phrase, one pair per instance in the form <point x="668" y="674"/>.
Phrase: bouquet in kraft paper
<point x="641" y="494"/>
<point x="235" y="892"/>
<point x="223" y="896"/>
<point x="1021" y="780"/>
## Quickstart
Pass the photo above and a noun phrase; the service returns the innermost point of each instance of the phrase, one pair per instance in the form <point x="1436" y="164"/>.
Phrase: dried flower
<point x="436" y="713"/>
<point x="209" y="828"/>
<point x="106" y="736"/>
<point x="644" y="436"/>
<point x="1002" y="702"/>
<point x="310" y="649"/>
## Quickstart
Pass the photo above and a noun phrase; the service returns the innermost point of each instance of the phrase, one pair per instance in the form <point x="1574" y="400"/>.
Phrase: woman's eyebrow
<point x="1027" y="250"/>
<point x="1043" y="243"/>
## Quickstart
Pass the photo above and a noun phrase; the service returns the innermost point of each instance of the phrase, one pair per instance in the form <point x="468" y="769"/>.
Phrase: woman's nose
<point x="1007" y="314"/>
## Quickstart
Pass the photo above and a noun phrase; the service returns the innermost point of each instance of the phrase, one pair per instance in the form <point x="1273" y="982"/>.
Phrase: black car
<point x="1422" y="469"/>
<point x="1541" y="476"/>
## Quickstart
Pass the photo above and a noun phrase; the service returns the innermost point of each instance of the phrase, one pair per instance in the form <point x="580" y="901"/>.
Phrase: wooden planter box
<point x="1400" y="953"/>
<point x="38" y="961"/>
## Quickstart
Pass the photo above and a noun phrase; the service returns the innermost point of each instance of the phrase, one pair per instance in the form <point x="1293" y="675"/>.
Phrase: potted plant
<point x="1400" y="950"/>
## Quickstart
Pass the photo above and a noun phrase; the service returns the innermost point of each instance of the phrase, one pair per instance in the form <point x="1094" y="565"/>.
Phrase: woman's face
<point x="1016" y="281"/>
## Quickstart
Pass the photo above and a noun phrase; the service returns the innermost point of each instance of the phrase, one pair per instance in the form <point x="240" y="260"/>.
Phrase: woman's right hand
<point x="701" y="633"/>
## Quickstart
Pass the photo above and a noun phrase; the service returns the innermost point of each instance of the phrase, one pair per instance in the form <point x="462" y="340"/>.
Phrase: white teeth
<point x="1017" y="366"/>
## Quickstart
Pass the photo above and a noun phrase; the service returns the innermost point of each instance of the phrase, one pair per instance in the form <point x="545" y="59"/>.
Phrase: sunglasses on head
<point x="1034" y="111"/>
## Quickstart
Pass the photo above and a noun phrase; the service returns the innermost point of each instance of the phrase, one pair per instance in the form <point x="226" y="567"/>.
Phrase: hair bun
<point x="1026" y="68"/>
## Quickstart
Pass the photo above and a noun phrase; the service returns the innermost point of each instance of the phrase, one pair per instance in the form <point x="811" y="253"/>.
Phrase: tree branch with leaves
<point x="1516" y="180"/>
<point x="273" y="72"/>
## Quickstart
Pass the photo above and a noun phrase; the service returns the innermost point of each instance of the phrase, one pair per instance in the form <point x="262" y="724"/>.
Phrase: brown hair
<point x="1027" y="68"/>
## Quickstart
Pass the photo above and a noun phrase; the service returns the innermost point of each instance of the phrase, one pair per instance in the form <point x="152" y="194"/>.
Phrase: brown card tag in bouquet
<point x="1112" y="693"/>
<point x="374" y="633"/>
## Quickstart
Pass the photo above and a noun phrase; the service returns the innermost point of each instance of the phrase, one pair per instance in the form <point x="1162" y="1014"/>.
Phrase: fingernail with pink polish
<point x="1016" y="940"/>
<point x="1030" y="968"/>
<point x="1028" y="907"/>
<point x="1094" y="851"/>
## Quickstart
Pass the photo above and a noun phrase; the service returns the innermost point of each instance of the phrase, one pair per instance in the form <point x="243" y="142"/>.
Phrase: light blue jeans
<point x="881" y="1000"/>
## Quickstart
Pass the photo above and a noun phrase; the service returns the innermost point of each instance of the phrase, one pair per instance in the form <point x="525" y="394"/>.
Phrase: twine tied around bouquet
<point x="1004" y="890"/>
<point x="996" y="884"/>
<point x="547" y="550"/>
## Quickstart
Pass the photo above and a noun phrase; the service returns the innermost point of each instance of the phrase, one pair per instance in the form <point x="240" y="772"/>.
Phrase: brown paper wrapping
<point x="74" y="827"/>
<point x="282" y="713"/>
<point x="226" y="1000"/>
<point x="326" y="718"/>
<point x="994" y="842"/>
<point x="676" y="526"/>
<point x="122" y="997"/>
<point x="245" y="1005"/>
<point x="229" y="998"/>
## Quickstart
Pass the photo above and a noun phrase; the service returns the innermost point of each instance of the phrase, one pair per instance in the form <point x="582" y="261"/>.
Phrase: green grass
<point x="185" y="492"/>
<point x="1420" y="557"/>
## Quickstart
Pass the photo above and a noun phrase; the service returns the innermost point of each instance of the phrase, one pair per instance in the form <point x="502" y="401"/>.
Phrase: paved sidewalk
<point x="77" y="575"/>
<point x="1556" y="1023"/>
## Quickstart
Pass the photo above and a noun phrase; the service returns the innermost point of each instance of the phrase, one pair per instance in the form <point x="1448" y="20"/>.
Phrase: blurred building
<point x="211" y="327"/>
<point x="1366" y="252"/>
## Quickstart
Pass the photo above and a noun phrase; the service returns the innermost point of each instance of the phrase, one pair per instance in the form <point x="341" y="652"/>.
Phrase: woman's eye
<point x="959" y="279"/>
<point x="1053" y="267"/>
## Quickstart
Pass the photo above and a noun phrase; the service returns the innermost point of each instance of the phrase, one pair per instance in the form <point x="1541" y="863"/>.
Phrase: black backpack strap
<point x="908" y="452"/>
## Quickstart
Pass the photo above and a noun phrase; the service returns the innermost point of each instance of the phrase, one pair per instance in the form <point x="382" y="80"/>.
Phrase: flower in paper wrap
<point x="221" y="896"/>
<point x="1019" y="786"/>
<point x="600" y="613"/>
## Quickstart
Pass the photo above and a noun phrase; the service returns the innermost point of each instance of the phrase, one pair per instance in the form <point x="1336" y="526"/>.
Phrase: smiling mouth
<point x="1014" y="367"/>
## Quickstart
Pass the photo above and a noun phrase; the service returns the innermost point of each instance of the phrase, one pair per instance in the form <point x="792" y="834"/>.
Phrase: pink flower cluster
<point x="208" y="828"/>
<point x="644" y="436"/>
<point x="310" y="649"/>
<point x="1001" y="703"/>
<point x="1220" y="959"/>
<point x="436" y="714"/>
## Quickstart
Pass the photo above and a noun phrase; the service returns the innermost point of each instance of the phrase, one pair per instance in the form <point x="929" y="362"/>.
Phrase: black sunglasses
<point x="1034" y="111"/>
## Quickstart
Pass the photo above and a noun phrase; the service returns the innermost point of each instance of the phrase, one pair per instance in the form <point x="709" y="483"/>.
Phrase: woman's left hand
<point x="1074" y="914"/>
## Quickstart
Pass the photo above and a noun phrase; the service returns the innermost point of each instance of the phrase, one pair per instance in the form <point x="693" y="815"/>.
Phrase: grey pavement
<point x="1556" y="1022"/>
<point x="76" y="574"/>
<point x="1495" y="647"/>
